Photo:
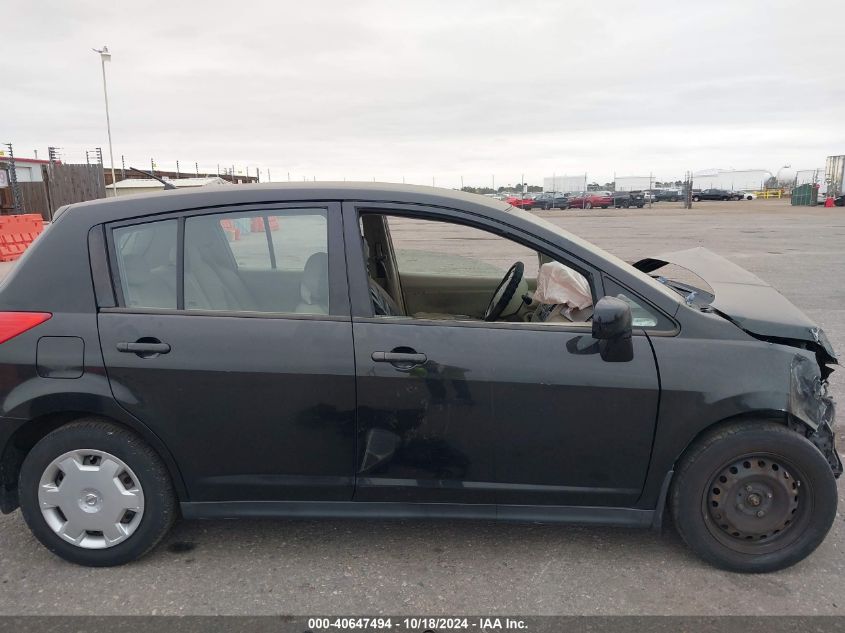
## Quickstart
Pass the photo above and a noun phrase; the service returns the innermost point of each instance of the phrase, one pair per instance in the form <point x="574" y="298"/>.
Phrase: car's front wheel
<point x="753" y="497"/>
<point x="96" y="494"/>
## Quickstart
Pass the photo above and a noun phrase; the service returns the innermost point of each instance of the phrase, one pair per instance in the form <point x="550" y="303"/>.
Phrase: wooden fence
<point x="35" y="199"/>
<point x="67" y="184"/>
<point x="61" y="184"/>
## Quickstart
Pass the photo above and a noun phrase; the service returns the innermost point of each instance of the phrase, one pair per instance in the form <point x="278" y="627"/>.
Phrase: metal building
<point x="633" y="183"/>
<point x="734" y="180"/>
<point x="565" y="183"/>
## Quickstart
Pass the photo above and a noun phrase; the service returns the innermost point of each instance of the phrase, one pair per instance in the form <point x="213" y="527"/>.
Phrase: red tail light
<point x="14" y="323"/>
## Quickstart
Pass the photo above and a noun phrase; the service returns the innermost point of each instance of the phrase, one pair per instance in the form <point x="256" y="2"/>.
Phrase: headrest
<point x="314" y="287"/>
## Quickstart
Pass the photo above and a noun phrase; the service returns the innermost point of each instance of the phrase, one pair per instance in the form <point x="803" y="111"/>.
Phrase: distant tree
<point x="534" y="188"/>
<point x="771" y="183"/>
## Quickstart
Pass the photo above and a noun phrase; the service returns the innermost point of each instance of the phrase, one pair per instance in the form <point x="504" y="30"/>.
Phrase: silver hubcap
<point x="91" y="499"/>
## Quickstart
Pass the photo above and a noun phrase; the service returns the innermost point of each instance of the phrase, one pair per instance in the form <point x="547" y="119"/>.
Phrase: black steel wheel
<point x="756" y="499"/>
<point x="753" y="497"/>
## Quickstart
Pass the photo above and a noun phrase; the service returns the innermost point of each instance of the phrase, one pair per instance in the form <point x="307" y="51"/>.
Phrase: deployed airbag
<point x="562" y="291"/>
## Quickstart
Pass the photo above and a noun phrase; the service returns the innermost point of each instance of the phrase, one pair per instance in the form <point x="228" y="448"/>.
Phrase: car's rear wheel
<point x="96" y="494"/>
<point x="753" y="497"/>
<point x="696" y="199"/>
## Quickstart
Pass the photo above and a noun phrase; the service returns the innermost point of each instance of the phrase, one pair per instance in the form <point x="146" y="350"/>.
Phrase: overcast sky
<point x="386" y="90"/>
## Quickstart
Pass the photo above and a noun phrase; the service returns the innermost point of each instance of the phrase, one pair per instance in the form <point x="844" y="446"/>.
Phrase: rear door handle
<point x="144" y="347"/>
<point x="399" y="357"/>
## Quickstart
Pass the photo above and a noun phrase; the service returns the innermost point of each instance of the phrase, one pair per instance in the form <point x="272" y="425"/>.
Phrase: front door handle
<point x="399" y="357"/>
<point x="144" y="347"/>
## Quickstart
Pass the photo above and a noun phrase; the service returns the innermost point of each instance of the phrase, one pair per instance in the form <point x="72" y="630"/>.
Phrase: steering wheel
<point x="504" y="292"/>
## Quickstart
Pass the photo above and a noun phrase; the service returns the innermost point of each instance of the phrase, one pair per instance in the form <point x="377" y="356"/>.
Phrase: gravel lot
<point x="367" y="567"/>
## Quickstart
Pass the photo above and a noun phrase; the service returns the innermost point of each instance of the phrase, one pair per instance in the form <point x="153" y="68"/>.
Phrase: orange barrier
<point x="17" y="232"/>
<point x="257" y="224"/>
<point x="233" y="233"/>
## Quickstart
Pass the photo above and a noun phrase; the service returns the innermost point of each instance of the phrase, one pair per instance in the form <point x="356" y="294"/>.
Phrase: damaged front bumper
<point x="812" y="411"/>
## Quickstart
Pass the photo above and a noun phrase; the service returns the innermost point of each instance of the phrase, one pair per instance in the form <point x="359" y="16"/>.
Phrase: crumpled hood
<point x="744" y="298"/>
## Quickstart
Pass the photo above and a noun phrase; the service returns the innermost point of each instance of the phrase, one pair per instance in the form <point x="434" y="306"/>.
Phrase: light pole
<point x="105" y="56"/>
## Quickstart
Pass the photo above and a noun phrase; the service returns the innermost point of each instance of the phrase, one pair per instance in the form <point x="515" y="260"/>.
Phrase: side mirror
<point x="612" y="329"/>
<point x="611" y="319"/>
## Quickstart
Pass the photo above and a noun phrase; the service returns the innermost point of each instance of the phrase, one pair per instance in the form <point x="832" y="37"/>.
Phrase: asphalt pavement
<point x="450" y="567"/>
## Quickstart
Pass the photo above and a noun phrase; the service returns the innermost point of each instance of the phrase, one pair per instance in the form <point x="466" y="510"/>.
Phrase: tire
<point x="696" y="199"/>
<point x="604" y="206"/>
<point x="794" y="512"/>
<point x="147" y="476"/>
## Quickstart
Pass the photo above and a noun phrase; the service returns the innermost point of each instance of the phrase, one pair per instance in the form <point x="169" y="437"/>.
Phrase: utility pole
<point x="17" y="200"/>
<point x="177" y="168"/>
<point x="105" y="56"/>
<point x="99" y="152"/>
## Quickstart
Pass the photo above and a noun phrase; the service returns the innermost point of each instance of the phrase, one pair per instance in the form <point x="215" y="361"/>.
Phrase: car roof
<point x="126" y="207"/>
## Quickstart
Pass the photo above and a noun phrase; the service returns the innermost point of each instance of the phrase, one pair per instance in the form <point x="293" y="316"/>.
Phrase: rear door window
<point x="270" y="262"/>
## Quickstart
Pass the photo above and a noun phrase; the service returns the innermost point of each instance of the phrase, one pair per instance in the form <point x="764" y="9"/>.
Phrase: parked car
<point x="839" y="201"/>
<point x="549" y="201"/>
<point x="590" y="199"/>
<point x="746" y="195"/>
<point x="714" y="194"/>
<point x="520" y="202"/>
<point x="541" y="199"/>
<point x="194" y="356"/>
<point x="627" y="199"/>
<point x="668" y="195"/>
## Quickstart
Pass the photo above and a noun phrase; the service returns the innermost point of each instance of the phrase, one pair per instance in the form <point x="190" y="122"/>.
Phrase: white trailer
<point x="633" y="183"/>
<point x="733" y="180"/>
<point x="565" y="184"/>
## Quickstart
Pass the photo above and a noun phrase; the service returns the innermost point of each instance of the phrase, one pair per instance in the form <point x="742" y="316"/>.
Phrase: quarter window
<point x="146" y="262"/>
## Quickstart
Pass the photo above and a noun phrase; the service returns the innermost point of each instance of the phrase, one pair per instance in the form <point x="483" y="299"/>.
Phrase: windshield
<point x="542" y="222"/>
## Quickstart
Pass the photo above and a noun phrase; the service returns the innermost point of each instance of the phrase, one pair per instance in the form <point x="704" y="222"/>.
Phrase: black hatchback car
<point x="328" y="350"/>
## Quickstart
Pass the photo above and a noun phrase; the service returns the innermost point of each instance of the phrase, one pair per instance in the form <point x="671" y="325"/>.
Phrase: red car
<point x="590" y="199"/>
<point x="520" y="202"/>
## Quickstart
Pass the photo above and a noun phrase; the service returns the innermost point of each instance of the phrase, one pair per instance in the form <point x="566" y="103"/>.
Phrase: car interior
<point x="534" y="289"/>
